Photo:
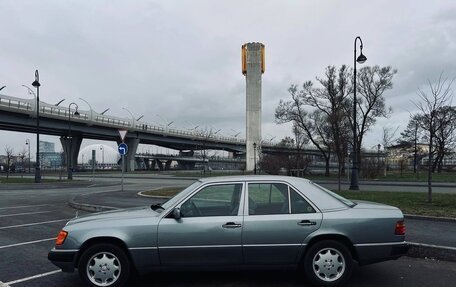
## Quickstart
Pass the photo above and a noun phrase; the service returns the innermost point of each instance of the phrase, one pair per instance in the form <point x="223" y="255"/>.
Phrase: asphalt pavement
<point x="32" y="215"/>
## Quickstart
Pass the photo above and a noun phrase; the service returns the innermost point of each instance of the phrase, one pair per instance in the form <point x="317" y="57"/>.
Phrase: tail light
<point x="400" y="228"/>
<point x="61" y="237"/>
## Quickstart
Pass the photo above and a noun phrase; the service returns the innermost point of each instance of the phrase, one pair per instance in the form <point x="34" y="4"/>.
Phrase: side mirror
<point x="177" y="213"/>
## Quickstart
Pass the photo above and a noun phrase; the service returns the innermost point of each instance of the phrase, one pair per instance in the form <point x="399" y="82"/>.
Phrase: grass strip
<point x="443" y="205"/>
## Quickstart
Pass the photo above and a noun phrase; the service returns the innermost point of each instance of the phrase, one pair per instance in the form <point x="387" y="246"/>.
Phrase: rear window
<point x="336" y="196"/>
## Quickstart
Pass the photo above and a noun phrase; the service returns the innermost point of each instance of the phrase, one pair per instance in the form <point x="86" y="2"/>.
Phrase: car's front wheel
<point x="104" y="265"/>
<point x="328" y="263"/>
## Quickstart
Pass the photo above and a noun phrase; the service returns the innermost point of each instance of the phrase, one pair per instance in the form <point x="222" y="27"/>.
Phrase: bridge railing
<point x="15" y="104"/>
<point x="28" y="106"/>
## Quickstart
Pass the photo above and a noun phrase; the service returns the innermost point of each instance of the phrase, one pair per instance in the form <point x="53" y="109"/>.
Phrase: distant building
<point x="49" y="158"/>
<point x="47" y="146"/>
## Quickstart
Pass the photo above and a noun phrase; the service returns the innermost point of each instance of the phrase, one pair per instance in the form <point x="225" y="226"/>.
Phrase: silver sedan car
<point x="239" y="221"/>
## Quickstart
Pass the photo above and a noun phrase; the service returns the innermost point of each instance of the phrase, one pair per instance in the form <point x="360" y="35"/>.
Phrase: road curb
<point x="89" y="207"/>
<point x="153" y="196"/>
<point x="437" y="252"/>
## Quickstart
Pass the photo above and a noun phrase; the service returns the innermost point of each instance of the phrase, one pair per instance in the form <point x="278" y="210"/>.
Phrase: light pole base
<point x="37" y="175"/>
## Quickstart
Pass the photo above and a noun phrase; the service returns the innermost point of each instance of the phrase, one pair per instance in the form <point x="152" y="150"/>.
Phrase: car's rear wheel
<point x="328" y="263"/>
<point x="104" y="265"/>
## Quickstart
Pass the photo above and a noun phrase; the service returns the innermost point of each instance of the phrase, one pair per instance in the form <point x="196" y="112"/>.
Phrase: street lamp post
<point x="254" y="158"/>
<point x="91" y="110"/>
<point x="27" y="142"/>
<point x="354" y="185"/>
<point x="69" y="157"/>
<point x="132" y="117"/>
<point x="102" y="156"/>
<point x="37" y="85"/>
<point x="378" y="158"/>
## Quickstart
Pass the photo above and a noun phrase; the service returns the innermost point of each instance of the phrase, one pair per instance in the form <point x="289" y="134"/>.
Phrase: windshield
<point x="179" y="196"/>
<point x="336" y="196"/>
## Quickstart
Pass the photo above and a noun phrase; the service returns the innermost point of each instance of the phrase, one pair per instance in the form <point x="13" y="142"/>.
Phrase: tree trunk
<point x="327" y="166"/>
<point x="339" y="175"/>
<point x="430" y="163"/>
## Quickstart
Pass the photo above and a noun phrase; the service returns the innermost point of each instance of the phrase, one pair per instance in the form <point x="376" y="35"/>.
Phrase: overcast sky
<point x="181" y="59"/>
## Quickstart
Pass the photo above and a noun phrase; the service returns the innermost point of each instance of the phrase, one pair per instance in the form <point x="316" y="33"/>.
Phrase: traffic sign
<point x="123" y="148"/>
<point x="122" y="134"/>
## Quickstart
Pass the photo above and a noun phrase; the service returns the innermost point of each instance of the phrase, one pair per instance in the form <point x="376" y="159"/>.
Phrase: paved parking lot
<point x="27" y="233"/>
<point x="31" y="218"/>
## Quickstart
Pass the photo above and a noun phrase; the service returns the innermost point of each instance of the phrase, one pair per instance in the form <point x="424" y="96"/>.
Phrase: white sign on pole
<point x="122" y="134"/>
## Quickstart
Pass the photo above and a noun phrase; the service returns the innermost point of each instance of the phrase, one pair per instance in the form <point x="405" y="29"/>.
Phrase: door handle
<point x="307" y="223"/>
<point x="231" y="225"/>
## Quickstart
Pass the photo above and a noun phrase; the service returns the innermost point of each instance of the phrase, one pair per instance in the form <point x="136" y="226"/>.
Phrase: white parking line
<point x="24" y="206"/>
<point x="35" y="223"/>
<point x="30" y="278"/>
<point x="25" y="243"/>
<point x="27" y="213"/>
<point x="3" y="284"/>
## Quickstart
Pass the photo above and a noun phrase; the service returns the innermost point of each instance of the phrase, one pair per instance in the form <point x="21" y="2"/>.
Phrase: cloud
<point x="181" y="59"/>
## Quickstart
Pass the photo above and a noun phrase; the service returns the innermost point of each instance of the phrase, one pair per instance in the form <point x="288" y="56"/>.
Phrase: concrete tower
<point x="253" y="68"/>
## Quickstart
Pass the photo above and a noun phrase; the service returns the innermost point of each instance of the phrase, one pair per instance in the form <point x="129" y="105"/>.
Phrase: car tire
<point x="327" y="263"/>
<point x="104" y="264"/>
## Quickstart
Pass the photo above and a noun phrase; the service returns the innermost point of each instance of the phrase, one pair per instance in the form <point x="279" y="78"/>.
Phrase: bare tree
<point x="439" y="95"/>
<point x="22" y="155"/>
<point x="325" y="124"/>
<point x="372" y="82"/>
<point x="388" y="136"/>
<point x="9" y="158"/>
<point x="206" y="134"/>
<point x="313" y="124"/>
<point x="410" y="137"/>
<point x="445" y="138"/>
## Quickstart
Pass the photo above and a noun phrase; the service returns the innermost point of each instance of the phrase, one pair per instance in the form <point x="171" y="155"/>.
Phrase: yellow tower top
<point x="244" y="59"/>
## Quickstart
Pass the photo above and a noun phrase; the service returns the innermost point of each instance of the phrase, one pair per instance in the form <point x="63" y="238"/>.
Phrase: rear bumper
<point x="64" y="259"/>
<point x="377" y="252"/>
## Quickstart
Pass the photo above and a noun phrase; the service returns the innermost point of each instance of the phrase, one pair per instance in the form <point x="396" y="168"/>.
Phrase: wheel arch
<point x="106" y="240"/>
<point x="335" y="237"/>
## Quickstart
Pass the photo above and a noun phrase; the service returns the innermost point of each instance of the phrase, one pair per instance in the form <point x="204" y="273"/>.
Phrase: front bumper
<point x="64" y="259"/>
<point x="378" y="252"/>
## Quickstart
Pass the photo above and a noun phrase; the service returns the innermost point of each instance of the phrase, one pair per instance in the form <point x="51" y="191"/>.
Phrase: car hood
<point x="130" y="213"/>
<point x="360" y="204"/>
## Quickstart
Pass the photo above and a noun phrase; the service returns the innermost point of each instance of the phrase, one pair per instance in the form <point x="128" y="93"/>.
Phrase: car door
<point x="209" y="230"/>
<point x="277" y="220"/>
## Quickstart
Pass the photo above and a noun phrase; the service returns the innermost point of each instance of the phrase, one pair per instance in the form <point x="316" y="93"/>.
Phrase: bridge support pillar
<point x="147" y="163"/>
<point x="75" y="143"/>
<point x="168" y="164"/>
<point x="130" y="160"/>
<point x="159" y="164"/>
<point x="140" y="163"/>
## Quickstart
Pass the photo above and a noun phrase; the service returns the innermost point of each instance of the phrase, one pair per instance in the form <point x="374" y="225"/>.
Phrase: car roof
<point x="252" y="177"/>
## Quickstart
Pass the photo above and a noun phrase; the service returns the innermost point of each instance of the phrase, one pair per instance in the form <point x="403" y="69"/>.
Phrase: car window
<point x="214" y="200"/>
<point x="335" y="195"/>
<point x="299" y="204"/>
<point x="268" y="198"/>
